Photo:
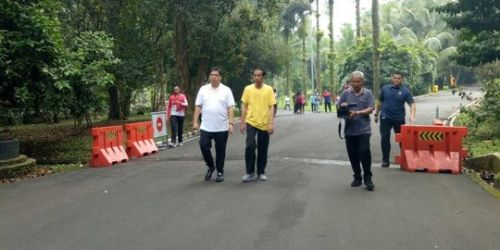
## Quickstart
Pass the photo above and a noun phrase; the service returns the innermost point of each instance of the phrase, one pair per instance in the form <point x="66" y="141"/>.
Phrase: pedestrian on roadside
<point x="391" y="107"/>
<point x="327" y="99"/>
<point x="312" y="100"/>
<point x="302" y="101"/>
<point x="216" y="101"/>
<point x="176" y="110"/>
<point x="287" y="103"/>
<point x="360" y="103"/>
<point x="257" y="120"/>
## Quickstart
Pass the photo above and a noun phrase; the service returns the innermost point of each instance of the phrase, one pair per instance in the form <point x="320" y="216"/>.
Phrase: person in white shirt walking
<point x="216" y="101"/>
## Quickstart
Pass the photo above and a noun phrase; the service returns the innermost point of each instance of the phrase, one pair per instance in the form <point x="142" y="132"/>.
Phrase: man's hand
<point x="196" y="126"/>
<point x="353" y="113"/>
<point x="243" y="127"/>
<point x="231" y="128"/>
<point x="412" y="119"/>
<point x="270" y="129"/>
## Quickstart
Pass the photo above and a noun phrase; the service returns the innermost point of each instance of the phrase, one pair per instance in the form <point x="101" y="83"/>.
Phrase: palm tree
<point x="318" y="40"/>
<point x="358" y="20"/>
<point x="376" y="45"/>
<point x="294" y="12"/>
<point x="332" y="45"/>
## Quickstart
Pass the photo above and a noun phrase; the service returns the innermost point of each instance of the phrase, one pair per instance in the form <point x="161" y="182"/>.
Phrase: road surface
<point x="162" y="202"/>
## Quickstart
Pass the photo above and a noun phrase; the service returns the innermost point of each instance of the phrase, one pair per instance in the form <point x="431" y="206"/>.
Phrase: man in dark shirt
<point x="361" y="104"/>
<point x="392" y="103"/>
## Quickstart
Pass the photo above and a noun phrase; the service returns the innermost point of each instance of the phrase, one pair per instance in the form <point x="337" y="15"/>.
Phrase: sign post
<point x="159" y="124"/>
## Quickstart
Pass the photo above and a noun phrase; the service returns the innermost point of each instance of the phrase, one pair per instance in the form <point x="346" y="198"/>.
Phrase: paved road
<point x="161" y="202"/>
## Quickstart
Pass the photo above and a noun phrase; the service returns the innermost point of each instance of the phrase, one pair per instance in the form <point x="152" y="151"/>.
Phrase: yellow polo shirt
<point x="259" y="101"/>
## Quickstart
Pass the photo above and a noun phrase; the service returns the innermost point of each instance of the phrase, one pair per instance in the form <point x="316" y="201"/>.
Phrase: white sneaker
<point x="262" y="177"/>
<point x="249" y="178"/>
<point x="171" y="145"/>
<point x="180" y="144"/>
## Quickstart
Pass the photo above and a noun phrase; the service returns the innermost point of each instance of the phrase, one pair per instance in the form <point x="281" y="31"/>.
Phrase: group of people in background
<point x="300" y="101"/>
<point x="215" y="100"/>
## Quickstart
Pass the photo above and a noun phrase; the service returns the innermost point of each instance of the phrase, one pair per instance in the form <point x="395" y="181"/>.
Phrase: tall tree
<point x="479" y="25"/>
<point x="319" y="34"/>
<point x="358" y="20"/>
<point x="376" y="45"/>
<point x="332" y="55"/>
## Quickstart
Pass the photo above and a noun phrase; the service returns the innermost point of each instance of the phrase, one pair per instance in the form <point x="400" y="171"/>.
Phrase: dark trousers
<point x="262" y="146"/>
<point x="329" y="106"/>
<point x="386" y="125"/>
<point x="358" y="149"/>
<point x="220" y="139"/>
<point x="177" y="124"/>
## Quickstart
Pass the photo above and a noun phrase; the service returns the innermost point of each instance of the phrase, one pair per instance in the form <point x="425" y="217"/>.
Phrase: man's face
<point x="215" y="77"/>
<point x="177" y="90"/>
<point x="356" y="83"/>
<point x="258" y="75"/>
<point x="397" y="79"/>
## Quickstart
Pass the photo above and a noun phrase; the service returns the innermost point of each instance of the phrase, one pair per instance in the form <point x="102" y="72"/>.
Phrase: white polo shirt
<point x="214" y="103"/>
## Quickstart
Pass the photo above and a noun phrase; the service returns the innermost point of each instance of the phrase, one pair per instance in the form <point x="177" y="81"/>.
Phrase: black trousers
<point x="329" y="106"/>
<point x="386" y="125"/>
<point x="262" y="146"/>
<point x="177" y="125"/>
<point x="220" y="139"/>
<point x="358" y="149"/>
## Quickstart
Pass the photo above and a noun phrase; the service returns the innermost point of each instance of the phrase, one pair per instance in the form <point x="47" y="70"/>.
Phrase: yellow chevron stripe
<point x="431" y="136"/>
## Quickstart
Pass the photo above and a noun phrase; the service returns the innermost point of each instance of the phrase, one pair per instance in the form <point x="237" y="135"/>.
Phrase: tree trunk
<point x="126" y="98"/>
<point x="181" y="48"/>
<point x="318" y="40"/>
<point x="201" y="77"/>
<point x="358" y="21"/>
<point x="332" y="46"/>
<point x="304" y="64"/>
<point x="376" y="44"/>
<point x="115" y="112"/>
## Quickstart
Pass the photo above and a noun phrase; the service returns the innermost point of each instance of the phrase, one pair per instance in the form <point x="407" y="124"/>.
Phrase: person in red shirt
<point x="176" y="110"/>
<point x="327" y="98"/>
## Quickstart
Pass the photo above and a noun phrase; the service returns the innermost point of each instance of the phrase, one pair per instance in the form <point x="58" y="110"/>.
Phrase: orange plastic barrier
<point x="435" y="149"/>
<point x="140" y="140"/>
<point x="107" y="146"/>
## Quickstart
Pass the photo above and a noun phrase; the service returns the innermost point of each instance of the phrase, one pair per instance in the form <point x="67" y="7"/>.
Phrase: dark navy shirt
<point x="393" y="101"/>
<point x="358" y="124"/>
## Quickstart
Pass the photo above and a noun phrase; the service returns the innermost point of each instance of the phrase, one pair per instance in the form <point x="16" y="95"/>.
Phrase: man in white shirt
<point x="216" y="101"/>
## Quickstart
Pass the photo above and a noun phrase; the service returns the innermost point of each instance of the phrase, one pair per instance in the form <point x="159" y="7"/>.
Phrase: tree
<point x="319" y="34"/>
<point x="479" y="25"/>
<point x="331" y="54"/>
<point x="376" y="44"/>
<point x="358" y="20"/>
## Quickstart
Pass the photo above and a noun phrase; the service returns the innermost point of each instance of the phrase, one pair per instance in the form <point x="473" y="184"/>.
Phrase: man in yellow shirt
<point x="257" y="119"/>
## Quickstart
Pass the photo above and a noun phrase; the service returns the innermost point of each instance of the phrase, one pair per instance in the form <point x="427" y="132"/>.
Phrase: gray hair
<point x="357" y="74"/>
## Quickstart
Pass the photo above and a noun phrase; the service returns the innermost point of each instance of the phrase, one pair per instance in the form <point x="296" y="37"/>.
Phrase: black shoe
<point x="220" y="177"/>
<point x="385" y="164"/>
<point x="356" y="183"/>
<point x="369" y="184"/>
<point x="209" y="173"/>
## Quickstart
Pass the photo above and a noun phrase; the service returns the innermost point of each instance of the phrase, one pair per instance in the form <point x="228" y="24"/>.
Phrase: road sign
<point x="158" y="120"/>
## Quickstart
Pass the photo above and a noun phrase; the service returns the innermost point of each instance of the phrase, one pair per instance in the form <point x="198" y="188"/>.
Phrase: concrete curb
<point x="429" y="94"/>
<point x="453" y="116"/>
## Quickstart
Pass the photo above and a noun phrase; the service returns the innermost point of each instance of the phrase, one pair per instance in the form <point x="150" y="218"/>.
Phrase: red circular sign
<point x="159" y="124"/>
